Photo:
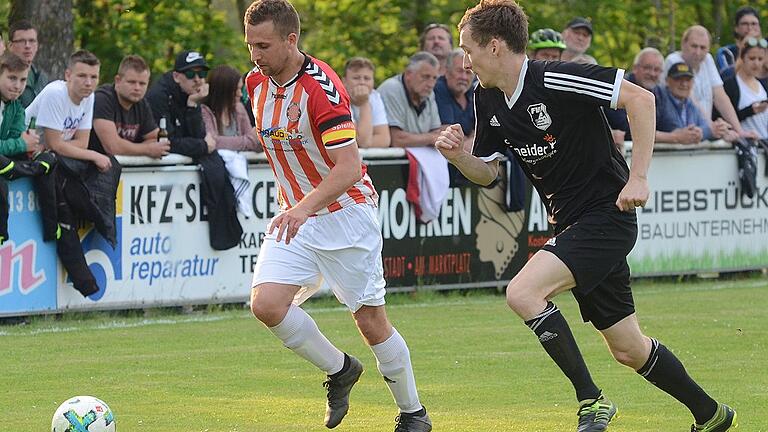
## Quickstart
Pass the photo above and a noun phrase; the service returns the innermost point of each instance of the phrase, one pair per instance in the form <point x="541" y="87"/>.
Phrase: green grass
<point x="478" y="368"/>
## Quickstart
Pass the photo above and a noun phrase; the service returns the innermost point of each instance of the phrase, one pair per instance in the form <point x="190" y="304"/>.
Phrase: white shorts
<point x="340" y="251"/>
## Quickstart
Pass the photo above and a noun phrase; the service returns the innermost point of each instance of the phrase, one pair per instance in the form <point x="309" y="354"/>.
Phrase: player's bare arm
<point x="451" y="144"/>
<point x="641" y="112"/>
<point x="346" y="171"/>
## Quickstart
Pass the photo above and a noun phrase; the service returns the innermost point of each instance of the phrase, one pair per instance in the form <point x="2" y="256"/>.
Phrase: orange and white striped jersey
<point x="297" y="124"/>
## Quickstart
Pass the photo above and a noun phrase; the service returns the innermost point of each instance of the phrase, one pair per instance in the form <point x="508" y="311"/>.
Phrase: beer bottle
<point x="162" y="135"/>
<point x="32" y="128"/>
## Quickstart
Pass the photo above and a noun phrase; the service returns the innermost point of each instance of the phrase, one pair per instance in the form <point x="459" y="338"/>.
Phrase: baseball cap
<point x="679" y="70"/>
<point x="580" y="22"/>
<point x="188" y="60"/>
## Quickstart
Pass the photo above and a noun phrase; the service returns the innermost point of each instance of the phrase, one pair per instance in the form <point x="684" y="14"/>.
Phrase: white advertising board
<point x="698" y="219"/>
<point x="163" y="255"/>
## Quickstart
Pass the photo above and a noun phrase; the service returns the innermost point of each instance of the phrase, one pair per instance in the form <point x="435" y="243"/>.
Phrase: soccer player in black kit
<point x="549" y="114"/>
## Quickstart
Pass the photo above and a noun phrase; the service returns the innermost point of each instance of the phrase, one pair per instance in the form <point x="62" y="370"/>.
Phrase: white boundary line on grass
<point x="756" y="283"/>
<point x="116" y="325"/>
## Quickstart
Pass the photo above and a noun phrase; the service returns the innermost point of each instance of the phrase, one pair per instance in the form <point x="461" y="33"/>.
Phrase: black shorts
<point x="595" y="249"/>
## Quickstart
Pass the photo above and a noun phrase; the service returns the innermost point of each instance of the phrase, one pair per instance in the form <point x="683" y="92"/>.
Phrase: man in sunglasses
<point x="176" y="97"/>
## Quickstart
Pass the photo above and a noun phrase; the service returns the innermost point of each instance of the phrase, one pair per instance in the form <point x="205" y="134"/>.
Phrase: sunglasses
<point x="190" y="74"/>
<point x="753" y="42"/>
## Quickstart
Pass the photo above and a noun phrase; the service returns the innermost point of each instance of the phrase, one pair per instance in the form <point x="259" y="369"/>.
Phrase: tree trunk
<point x="671" y="22"/>
<point x="54" y="22"/>
<point x="717" y="17"/>
<point x="20" y="9"/>
<point x="241" y="7"/>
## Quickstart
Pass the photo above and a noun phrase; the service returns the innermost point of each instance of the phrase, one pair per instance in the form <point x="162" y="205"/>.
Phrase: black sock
<point x="666" y="372"/>
<point x="344" y="367"/>
<point x="556" y="338"/>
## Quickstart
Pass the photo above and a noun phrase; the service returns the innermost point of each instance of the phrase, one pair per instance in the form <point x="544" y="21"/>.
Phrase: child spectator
<point x="14" y="140"/>
<point x="368" y="110"/>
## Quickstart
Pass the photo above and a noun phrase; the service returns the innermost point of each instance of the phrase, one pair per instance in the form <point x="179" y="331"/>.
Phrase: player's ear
<point x="293" y="38"/>
<point x="494" y="46"/>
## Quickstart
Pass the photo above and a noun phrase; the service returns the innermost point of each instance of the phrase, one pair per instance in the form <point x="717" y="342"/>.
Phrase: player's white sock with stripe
<point x="394" y="362"/>
<point x="299" y="333"/>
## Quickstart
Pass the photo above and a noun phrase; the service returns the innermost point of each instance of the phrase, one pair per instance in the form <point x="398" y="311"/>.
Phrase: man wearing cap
<point x="577" y="36"/>
<point x="678" y="120"/>
<point x="708" y="91"/>
<point x="176" y="97"/>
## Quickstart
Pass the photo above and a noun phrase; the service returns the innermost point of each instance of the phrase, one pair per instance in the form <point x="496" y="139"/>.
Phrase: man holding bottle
<point x="122" y="118"/>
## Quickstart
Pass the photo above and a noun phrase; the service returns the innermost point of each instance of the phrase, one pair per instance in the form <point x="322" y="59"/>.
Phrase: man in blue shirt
<point x="454" y="95"/>
<point x="678" y="120"/>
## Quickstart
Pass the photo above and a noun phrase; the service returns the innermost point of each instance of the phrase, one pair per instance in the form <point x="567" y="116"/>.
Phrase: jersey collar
<point x="510" y="100"/>
<point x="296" y="77"/>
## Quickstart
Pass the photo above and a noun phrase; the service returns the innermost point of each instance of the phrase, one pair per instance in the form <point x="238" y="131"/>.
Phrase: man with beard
<point x="176" y="97"/>
<point x="437" y="40"/>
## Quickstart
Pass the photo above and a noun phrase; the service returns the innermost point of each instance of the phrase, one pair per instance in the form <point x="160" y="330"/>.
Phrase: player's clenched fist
<point x="451" y="141"/>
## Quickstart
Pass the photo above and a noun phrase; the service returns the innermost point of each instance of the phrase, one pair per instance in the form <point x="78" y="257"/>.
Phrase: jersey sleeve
<point x="488" y="144"/>
<point x="328" y="108"/>
<point x="593" y="84"/>
<point x="104" y="106"/>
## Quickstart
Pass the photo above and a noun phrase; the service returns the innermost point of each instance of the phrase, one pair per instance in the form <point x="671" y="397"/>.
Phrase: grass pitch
<point x="478" y="367"/>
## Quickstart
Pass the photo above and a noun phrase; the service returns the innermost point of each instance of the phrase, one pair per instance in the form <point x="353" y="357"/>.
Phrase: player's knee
<point x="629" y="356"/>
<point x="266" y="312"/>
<point x="517" y="297"/>
<point x="374" y="329"/>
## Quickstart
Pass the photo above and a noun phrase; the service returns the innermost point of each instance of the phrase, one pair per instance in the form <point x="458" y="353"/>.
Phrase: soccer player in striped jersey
<point x="549" y="114"/>
<point x="327" y="231"/>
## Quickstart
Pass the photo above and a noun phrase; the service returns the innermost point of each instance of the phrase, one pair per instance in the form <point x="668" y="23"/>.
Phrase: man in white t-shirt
<point x="64" y="110"/>
<point x="368" y="110"/>
<point x="708" y="89"/>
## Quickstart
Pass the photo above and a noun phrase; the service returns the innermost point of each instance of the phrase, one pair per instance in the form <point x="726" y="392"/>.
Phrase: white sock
<point x="299" y="333"/>
<point x="394" y="362"/>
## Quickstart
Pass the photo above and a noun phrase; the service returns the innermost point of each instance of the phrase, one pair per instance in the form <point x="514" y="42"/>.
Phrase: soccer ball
<point x="83" y="414"/>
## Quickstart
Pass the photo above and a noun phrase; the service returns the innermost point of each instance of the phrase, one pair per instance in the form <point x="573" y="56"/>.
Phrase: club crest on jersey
<point x="539" y="116"/>
<point x="293" y="112"/>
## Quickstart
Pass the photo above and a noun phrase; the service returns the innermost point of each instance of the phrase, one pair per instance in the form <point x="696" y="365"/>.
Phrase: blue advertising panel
<point x="28" y="271"/>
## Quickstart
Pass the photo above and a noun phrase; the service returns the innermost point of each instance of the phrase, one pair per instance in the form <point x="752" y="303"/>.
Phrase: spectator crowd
<point x="65" y="133"/>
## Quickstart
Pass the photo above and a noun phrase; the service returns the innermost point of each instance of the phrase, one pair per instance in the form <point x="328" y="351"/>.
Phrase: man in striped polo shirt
<point x="549" y="114"/>
<point x="327" y="231"/>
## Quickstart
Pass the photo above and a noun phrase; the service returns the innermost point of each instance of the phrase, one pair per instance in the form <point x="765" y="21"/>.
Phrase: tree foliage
<point x="387" y="31"/>
<point x="154" y="29"/>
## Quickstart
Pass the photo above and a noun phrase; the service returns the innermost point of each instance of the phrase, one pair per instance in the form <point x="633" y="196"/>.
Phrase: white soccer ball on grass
<point x="83" y="414"/>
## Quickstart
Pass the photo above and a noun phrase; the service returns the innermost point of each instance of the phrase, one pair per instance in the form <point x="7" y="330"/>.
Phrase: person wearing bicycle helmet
<point x="546" y="44"/>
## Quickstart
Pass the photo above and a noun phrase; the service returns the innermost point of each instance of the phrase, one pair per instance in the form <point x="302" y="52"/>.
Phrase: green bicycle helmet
<point x="546" y="38"/>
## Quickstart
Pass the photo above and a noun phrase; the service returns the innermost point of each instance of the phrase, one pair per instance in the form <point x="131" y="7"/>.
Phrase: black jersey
<point x="555" y="126"/>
